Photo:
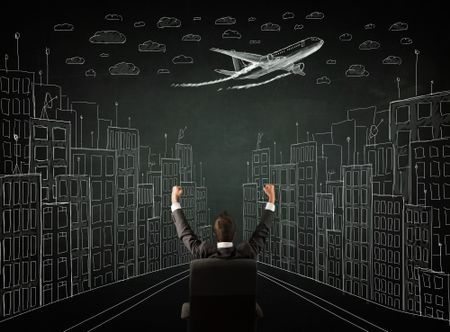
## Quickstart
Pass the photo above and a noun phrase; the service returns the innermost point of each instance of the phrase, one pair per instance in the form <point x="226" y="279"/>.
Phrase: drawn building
<point x="324" y="221"/>
<point x="76" y="191"/>
<point x="249" y="206"/>
<point x="56" y="267"/>
<point x="17" y="106"/>
<point x="20" y="243"/>
<point x="154" y="177"/>
<point x="126" y="143"/>
<point x="305" y="156"/>
<point x="358" y="230"/>
<point x="336" y="189"/>
<point x="420" y="118"/>
<point x="434" y="293"/>
<point x="334" y="258"/>
<point x="189" y="208"/>
<point x="170" y="243"/>
<point x="145" y="214"/>
<point x="381" y="157"/>
<point x="260" y="175"/>
<point x="202" y="223"/>
<point x="184" y="153"/>
<point x="154" y="244"/>
<point x="50" y="153"/>
<point x="417" y="241"/>
<point x="101" y="167"/>
<point x="430" y="186"/>
<point x="388" y="250"/>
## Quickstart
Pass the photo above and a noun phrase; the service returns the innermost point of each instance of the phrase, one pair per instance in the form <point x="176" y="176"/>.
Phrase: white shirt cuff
<point x="270" y="206"/>
<point x="175" y="206"/>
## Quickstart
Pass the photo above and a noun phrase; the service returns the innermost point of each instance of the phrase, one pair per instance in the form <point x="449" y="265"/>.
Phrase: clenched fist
<point x="269" y="189"/>
<point x="176" y="193"/>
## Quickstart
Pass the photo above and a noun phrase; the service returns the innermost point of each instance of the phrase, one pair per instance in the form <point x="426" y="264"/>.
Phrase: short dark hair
<point x="224" y="227"/>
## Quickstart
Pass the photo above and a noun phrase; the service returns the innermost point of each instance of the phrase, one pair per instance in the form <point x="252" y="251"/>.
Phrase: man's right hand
<point x="176" y="193"/>
<point x="269" y="189"/>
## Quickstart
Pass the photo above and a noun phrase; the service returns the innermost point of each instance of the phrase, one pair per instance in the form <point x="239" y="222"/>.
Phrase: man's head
<point x="224" y="228"/>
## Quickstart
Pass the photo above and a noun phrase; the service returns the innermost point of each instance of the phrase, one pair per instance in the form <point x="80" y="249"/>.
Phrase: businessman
<point x="224" y="230"/>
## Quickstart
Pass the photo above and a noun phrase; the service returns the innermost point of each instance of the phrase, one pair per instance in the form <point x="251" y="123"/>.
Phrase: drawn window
<point x="26" y="85"/>
<point x="59" y="134"/>
<point x="40" y="132"/>
<point x="403" y="138"/>
<point x="446" y="191"/>
<point x="5" y="106"/>
<point x="435" y="169"/>
<point x="423" y="110"/>
<point x="402" y="114"/>
<point x="59" y="153"/>
<point x="16" y="106"/>
<point x="109" y="171"/>
<point x="419" y="152"/>
<point x="434" y="151"/>
<point x="256" y="158"/>
<point x="445" y="107"/>
<point x="4" y="82"/>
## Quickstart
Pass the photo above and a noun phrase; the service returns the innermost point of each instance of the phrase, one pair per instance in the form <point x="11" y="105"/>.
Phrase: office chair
<point x="222" y="296"/>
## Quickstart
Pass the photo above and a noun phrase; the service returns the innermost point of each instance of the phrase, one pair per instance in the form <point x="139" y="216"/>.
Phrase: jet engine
<point x="268" y="57"/>
<point x="298" y="69"/>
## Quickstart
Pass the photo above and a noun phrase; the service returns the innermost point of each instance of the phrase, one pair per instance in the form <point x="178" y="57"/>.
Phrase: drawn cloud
<point x="191" y="38"/>
<point x="113" y="17"/>
<point x="315" y="16"/>
<point x="63" y="27"/>
<point x="331" y="62"/>
<point x="392" y="60"/>
<point x="345" y="37"/>
<point x="323" y="80"/>
<point x="162" y="71"/>
<point x="168" y="22"/>
<point x="227" y="20"/>
<point x="104" y="55"/>
<point x="399" y="26"/>
<point x="90" y="73"/>
<point x="182" y="60"/>
<point x="124" y="68"/>
<point x="369" y="45"/>
<point x="108" y="37"/>
<point x="231" y="34"/>
<point x="298" y="26"/>
<point x="288" y="16"/>
<point x="75" y="60"/>
<point x="369" y="26"/>
<point x="139" y="24"/>
<point x="269" y="26"/>
<point x="356" y="71"/>
<point x="406" y="41"/>
<point x="151" y="46"/>
<point x="251" y="19"/>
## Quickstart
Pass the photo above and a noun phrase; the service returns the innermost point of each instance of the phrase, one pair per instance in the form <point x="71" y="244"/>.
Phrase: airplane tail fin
<point x="238" y="64"/>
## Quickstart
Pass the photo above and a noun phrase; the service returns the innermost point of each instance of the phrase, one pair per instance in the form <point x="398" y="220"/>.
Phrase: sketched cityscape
<point x="365" y="206"/>
<point x="83" y="202"/>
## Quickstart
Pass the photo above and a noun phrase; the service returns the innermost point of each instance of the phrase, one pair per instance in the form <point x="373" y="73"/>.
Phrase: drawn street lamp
<point x="81" y="131"/>
<point x="274" y="152"/>
<point x="165" y="145"/>
<point x="348" y="150"/>
<point x="47" y="53"/>
<point x="416" y="52"/>
<point x="248" y="171"/>
<point x="17" y="37"/>
<point x="398" y="87"/>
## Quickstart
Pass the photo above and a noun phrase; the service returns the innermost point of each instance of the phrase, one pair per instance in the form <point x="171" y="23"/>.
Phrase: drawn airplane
<point x="253" y="66"/>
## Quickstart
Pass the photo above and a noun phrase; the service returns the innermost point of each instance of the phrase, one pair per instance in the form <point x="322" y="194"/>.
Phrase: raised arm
<point x="258" y="238"/>
<point x="197" y="247"/>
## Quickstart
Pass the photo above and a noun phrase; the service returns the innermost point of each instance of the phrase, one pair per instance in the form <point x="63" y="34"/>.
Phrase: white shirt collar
<point x="221" y="245"/>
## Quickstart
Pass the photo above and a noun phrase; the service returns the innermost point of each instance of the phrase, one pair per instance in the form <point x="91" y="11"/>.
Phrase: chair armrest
<point x="185" y="310"/>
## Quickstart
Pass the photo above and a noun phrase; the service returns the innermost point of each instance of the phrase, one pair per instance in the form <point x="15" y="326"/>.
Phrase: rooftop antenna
<point x="129" y="122"/>
<point x="181" y="133"/>
<point x="40" y="77"/>
<point x="81" y="131"/>
<point x="116" y="105"/>
<point x="431" y="86"/>
<point x="258" y="140"/>
<point x="165" y="145"/>
<point x="274" y="152"/>
<point x="248" y="172"/>
<point x="398" y="87"/>
<point x="6" y="62"/>
<point x="296" y="128"/>
<point x="16" y="167"/>
<point x="17" y="37"/>
<point x="201" y="174"/>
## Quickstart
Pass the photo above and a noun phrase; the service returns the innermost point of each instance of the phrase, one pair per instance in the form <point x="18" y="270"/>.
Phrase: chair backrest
<point x="222" y="294"/>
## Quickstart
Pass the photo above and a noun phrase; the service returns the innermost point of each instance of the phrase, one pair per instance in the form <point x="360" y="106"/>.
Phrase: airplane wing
<point x="244" y="56"/>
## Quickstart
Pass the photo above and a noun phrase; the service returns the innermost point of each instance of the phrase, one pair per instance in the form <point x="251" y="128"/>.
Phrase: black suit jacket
<point x="204" y="249"/>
